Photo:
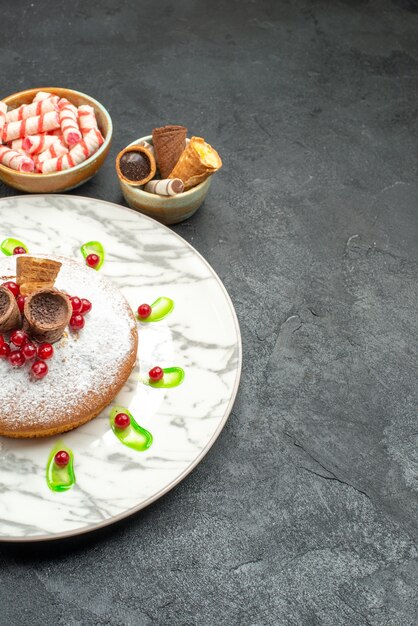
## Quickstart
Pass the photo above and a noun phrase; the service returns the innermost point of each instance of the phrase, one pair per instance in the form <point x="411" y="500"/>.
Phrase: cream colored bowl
<point x="165" y="209"/>
<point x="75" y="176"/>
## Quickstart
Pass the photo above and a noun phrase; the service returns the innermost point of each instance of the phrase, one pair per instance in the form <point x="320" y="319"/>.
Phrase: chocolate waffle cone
<point x="46" y="314"/>
<point x="33" y="274"/>
<point x="198" y="161"/>
<point x="169" y="142"/>
<point x="9" y="311"/>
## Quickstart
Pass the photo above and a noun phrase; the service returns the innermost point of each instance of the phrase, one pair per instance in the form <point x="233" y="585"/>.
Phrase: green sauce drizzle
<point x="159" y="310"/>
<point x="134" y="436"/>
<point x="94" y="247"/>
<point x="8" y="245"/>
<point x="173" y="377"/>
<point x="60" y="478"/>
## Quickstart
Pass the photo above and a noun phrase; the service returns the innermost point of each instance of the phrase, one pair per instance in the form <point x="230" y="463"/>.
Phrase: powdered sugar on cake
<point x="84" y="363"/>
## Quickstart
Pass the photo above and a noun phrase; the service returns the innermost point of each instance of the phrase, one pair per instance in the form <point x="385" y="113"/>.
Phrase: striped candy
<point x="69" y="122"/>
<point x="16" y="160"/>
<point x="37" y="143"/>
<point x="30" y="110"/>
<point x="56" y="150"/>
<point x="49" y="134"/>
<point x="3" y="112"/>
<point x="30" y="126"/>
<point x="42" y="95"/>
<point x="86" y="118"/>
<point x="81" y="151"/>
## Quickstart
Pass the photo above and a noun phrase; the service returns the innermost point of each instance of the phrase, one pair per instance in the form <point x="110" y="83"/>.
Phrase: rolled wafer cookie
<point x="56" y="150"/>
<point x="86" y="118"/>
<point x="3" y="112"/>
<point x="42" y="95"/>
<point x="31" y="126"/>
<point x="148" y="146"/>
<point x="31" y="110"/>
<point x="9" y="311"/>
<point x="33" y="273"/>
<point x="167" y="187"/>
<point x="81" y="151"/>
<point x="69" y="122"/>
<point x="37" y="143"/>
<point x="17" y="144"/>
<point x="46" y="313"/>
<point x="16" y="160"/>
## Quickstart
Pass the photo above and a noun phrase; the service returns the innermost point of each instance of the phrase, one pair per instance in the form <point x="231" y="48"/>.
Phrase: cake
<point x="88" y="369"/>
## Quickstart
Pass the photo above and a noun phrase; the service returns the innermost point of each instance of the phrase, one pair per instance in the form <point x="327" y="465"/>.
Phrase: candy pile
<point x="182" y="164"/>
<point x="49" y="135"/>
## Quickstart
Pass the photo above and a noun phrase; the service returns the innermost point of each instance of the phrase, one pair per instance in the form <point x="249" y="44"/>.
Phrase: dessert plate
<point x="200" y="336"/>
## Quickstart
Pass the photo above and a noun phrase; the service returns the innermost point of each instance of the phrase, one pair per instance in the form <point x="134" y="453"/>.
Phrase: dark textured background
<point x="304" y="512"/>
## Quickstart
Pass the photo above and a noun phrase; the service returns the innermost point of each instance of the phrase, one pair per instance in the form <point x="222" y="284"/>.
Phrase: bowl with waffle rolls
<point x="52" y="139"/>
<point x="167" y="175"/>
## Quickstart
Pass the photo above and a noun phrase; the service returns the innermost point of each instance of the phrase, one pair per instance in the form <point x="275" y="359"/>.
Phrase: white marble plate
<point x="146" y="260"/>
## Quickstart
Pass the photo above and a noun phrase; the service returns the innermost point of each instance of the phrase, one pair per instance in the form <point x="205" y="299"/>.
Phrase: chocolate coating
<point x="134" y="165"/>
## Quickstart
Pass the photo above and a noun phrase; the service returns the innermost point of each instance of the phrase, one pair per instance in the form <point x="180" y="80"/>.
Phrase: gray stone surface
<point x="304" y="512"/>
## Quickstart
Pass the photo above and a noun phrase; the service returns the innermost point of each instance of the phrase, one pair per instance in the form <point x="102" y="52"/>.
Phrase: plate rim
<point x="162" y="492"/>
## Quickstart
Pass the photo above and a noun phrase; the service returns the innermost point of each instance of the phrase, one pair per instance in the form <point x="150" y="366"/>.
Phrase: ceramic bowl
<point x="165" y="209"/>
<point x="71" y="178"/>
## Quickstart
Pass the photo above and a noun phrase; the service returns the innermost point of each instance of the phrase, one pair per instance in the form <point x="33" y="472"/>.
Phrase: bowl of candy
<point x="52" y="139"/>
<point x="167" y="175"/>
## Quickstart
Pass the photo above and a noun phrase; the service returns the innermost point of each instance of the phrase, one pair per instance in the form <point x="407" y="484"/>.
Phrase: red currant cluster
<point x="15" y="289"/>
<point x="25" y="351"/>
<point x="81" y="306"/>
<point x="21" y="349"/>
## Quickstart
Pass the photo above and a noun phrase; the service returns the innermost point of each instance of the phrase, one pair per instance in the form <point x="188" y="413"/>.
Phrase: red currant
<point x="77" y="322"/>
<point x="19" y="250"/>
<point x="45" y="351"/>
<point x="76" y="304"/>
<point x="39" y="369"/>
<point x="17" y="358"/>
<point x="87" y="305"/>
<point x="144" y="311"/>
<point x="92" y="260"/>
<point x="62" y="458"/>
<point x="156" y="374"/>
<point x="18" y="338"/>
<point x="4" y="350"/>
<point x="122" y="420"/>
<point x="20" y="300"/>
<point x="29" y="351"/>
<point x="13" y="287"/>
<point x="1" y="340"/>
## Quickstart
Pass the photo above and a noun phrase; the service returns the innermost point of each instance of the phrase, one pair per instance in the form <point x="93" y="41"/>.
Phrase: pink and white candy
<point x="30" y="110"/>
<point x="30" y="126"/>
<point x="56" y="150"/>
<point x="86" y="118"/>
<point x="36" y="143"/>
<point x="16" y="160"/>
<point x="69" y="122"/>
<point x="3" y="112"/>
<point x="42" y="95"/>
<point x="81" y="151"/>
